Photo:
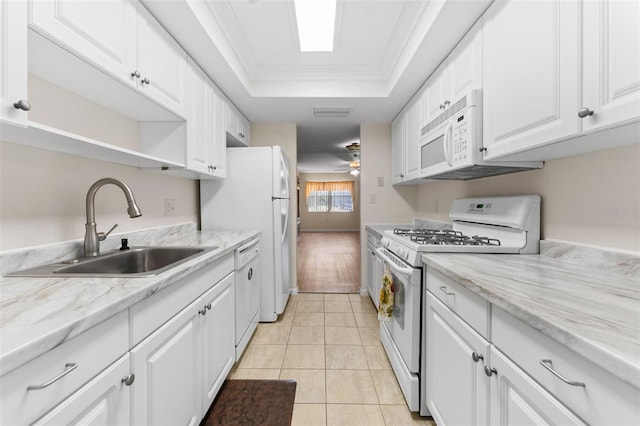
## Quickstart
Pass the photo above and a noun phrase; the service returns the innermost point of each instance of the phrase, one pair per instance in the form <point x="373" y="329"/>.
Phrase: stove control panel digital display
<point x="479" y="208"/>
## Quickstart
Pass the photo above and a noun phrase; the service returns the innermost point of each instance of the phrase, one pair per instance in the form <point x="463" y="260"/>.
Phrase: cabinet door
<point x="412" y="148"/>
<point x="398" y="142"/>
<point x="219" y="135"/>
<point x="162" y="64"/>
<point x="611" y="62"/>
<point x="435" y="94"/>
<point x="13" y="61"/>
<point x="100" y="32"/>
<point x="457" y="390"/>
<point x="166" y="391"/>
<point x="199" y="124"/>
<point x="105" y="400"/>
<point x="218" y="338"/>
<point x="464" y="68"/>
<point x="530" y="74"/>
<point x="516" y="399"/>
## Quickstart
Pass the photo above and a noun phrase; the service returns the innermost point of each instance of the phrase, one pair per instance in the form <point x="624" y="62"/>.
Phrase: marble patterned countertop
<point x="38" y="314"/>
<point x="587" y="299"/>
<point x="586" y="306"/>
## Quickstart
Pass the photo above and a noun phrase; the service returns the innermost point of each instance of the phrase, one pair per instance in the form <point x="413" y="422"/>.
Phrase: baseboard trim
<point x="295" y="291"/>
<point x="330" y="230"/>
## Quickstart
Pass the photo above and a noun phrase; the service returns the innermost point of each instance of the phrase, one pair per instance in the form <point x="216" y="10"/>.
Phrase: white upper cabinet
<point x="162" y="64"/>
<point x="412" y="141"/>
<point x="206" y="147"/>
<point x="100" y="32"/>
<point x="611" y="63"/>
<point x="458" y="74"/>
<point x="13" y="63"/>
<point x="122" y="39"/>
<point x="398" y="146"/>
<point x="530" y="74"/>
<point x="237" y="127"/>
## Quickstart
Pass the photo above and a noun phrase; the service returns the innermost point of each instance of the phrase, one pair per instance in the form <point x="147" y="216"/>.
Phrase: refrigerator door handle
<point x="279" y="198"/>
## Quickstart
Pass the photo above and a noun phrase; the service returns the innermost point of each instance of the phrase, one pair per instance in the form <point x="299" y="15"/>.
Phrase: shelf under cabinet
<point x="42" y="136"/>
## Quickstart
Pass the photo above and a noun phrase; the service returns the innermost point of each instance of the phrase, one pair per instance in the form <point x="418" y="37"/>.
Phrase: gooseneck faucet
<point x="92" y="238"/>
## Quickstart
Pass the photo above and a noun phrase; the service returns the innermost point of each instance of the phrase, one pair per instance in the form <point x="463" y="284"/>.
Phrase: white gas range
<point x="480" y="225"/>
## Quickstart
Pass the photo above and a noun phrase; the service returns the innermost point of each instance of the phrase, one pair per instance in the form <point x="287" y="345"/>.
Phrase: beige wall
<point x="329" y="221"/>
<point x="285" y="135"/>
<point x="42" y="193"/>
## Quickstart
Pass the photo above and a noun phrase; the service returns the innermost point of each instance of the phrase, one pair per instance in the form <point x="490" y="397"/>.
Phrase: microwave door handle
<point x="447" y="144"/>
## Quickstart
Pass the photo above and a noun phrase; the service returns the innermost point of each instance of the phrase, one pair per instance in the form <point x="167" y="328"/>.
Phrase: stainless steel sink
<point x="135" y="262"/>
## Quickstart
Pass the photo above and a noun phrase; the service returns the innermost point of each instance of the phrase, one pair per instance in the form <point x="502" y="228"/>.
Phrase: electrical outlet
<point x="380" y="181"/>
<point x="169" y="207"/>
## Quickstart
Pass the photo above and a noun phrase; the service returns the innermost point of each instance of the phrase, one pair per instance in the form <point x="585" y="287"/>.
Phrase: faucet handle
<point x="102" y="236"/>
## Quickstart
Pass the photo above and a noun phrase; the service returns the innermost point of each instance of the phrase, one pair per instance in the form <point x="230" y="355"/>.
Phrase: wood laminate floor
<point x="329" y="262"/>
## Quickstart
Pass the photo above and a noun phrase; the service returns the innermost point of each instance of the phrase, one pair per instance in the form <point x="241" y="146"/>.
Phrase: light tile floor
<point x="330" y="345"/>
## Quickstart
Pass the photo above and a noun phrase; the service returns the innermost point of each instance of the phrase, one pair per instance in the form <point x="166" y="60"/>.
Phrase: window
<point x="334" y="197"/>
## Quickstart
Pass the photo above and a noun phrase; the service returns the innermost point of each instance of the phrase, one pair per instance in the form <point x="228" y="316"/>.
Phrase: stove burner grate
<point x="444" y="237"/>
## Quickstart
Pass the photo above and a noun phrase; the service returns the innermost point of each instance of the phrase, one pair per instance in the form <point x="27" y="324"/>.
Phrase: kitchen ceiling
<point x="384" y="51"/>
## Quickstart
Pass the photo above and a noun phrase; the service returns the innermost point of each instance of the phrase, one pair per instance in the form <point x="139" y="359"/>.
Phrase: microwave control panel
<point x="461" y="139"/>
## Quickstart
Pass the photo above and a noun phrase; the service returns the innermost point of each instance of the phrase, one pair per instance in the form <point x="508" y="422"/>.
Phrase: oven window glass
<point x="432" y="152"/>
<point x="398" y="301"/>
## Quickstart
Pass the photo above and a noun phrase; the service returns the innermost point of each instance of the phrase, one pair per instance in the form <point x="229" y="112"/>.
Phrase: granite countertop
<point x="591" y="309"/>
<point x="38" y="314"/>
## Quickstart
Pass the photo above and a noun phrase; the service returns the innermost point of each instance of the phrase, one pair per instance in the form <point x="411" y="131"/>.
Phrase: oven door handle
<point x="406" y="271"/>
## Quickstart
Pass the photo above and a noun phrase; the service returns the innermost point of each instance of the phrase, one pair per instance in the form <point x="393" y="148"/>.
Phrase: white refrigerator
<point x="255" y="196"/>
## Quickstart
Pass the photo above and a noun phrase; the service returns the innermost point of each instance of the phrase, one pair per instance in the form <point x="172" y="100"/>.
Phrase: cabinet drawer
<point x="154" y="311"/>
<point x="604" y="399"/>
<point x="473" y="309"/>
<point x="91" y="352"/>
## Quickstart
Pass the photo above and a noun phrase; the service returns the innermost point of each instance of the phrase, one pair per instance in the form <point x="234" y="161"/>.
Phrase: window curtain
<point x="329" y="186"/>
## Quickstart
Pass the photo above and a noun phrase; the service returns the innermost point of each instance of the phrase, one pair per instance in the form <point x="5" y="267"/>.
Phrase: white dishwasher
<point x="247" y="294"/>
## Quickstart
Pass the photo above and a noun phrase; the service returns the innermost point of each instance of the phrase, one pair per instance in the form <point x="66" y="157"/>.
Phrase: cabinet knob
<point x="489" y="371"/>
<point x="250" y="274"/>
<point x="482" y="149"/>
<point x="145" y="81"/>
<point x="23" y="105"/>
<point x="441" y="106"/>
<point x="446" y="103"/>
<point x="241" y="135"/>
<point x="585" y="112"/>
<point x="476" y="357"/>
<point x="135" y="74"/>
<point x="203" y="311"/>
<point x="128" y="379"/>
<point x="208" y="306"/>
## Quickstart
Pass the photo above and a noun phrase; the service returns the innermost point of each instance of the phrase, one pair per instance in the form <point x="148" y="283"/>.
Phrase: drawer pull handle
<point x="444" y="290"/>
<point x="546" y="363"/>
<point x="477" y="357"/>
<point x="68" y="368"/>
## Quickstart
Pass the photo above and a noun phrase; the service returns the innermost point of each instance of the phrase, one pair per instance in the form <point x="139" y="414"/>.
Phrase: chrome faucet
<point x="92" y="237"/>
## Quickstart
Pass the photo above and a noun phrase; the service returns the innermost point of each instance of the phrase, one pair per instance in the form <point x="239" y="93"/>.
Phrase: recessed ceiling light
<point x="316" y="24"/>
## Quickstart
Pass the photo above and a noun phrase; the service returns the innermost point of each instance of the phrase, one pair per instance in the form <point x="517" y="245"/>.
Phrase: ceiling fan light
<point x="316" y="21"/>
<point x="354" y="149"/>
<point x="354" y="172"/>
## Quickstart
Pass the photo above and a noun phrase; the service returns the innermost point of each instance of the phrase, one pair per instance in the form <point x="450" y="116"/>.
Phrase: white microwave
<point x="451" y="144"/>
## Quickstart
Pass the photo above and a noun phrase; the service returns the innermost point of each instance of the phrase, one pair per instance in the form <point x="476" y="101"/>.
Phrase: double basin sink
<point x="134" y="262"/>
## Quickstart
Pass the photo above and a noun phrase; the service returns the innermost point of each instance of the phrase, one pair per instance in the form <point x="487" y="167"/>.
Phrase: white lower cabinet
<point x="457" y="389"/>
<point x="105" y="400"/>
<point x="181" y="366"/>
<point x="516" y="399"/>
<point x="165" y="365"/>
<point x="218" y="339"/>
<point x="518" y="376"/>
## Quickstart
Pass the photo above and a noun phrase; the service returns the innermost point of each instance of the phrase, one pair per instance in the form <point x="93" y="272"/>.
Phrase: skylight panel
<point x="316" y="21"/>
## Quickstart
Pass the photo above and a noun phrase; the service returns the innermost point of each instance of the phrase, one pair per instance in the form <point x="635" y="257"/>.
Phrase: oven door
<point x="404" y="326"/>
